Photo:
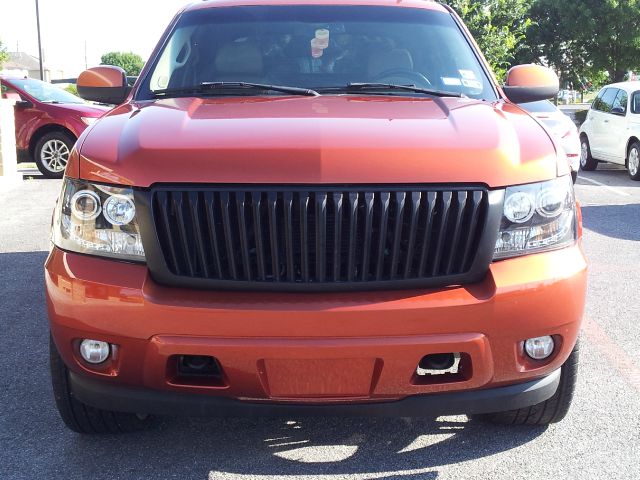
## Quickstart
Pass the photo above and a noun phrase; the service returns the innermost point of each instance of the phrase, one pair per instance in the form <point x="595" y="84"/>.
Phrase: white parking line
<point x="608" y="187"/>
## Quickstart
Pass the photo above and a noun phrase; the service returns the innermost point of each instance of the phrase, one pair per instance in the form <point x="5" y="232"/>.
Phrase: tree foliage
<point x="4" y="56"/>
<point x="130" y="62"/>
<point x="586" y="37"/>
<point x="499" y="27"/>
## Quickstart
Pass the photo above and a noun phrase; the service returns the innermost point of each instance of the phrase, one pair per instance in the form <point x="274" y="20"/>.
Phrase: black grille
<point x="288" y="236"/>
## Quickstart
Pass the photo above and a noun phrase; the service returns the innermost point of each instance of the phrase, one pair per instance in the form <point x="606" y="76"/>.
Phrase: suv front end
<point x="270" y="258"/>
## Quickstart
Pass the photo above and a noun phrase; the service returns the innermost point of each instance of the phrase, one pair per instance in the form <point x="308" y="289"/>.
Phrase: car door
<point x="616" y="129"/>
<point x="594" y="124"/>
<point x="601" y="120"/>
<point x="22" y="113"/>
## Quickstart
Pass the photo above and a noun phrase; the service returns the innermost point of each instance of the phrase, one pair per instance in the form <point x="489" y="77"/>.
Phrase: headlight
<point x="537" y="217"/>
<point x="88" y="120"/>
<point x="98" y="220"/>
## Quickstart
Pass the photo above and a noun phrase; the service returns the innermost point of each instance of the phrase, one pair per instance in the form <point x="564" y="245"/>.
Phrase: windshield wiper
<point x="211" y="87"/>
<point x="373" y="87"/>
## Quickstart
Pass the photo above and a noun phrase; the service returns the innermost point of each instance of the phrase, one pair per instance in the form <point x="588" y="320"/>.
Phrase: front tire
<point x="633" y="161"/>
<point x="51" y="153"/>
<point x="83" y="418"/>
<point x="587" y="162"/>
<point x="549" y="411"/>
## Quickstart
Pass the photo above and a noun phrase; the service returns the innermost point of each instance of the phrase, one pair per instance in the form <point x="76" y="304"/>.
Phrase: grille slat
<point x="321" y="235"/>
<point x="288" y="232"/>
<point x="441" y="232"/>
<point x="385" y="198"/>
<point x="164" y="225"/>
<point x="368" y="225"/>
<point x="426" y="239"/>
<point x="335" y="235"/>
<point x="416" y="198"/>
<point x="212" y="230"/>
<point x="471" y="228"/>
<point x="178" y="206"/>
<point x="353" y="228"/>
<point x="455" y="238"/>
<point x="397" y="229"/>
<point x="244" y="242"/>
<point x="272" y="201"/>
<point x="228" y="234"/>
<point x="194" y="204"/>
<point x="256" y="201"/>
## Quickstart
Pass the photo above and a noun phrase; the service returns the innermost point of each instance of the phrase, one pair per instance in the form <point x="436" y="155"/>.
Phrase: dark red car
<point x="48" y="122"/>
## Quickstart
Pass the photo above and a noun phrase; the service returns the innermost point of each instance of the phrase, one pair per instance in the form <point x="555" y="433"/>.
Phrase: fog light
<point x="539" y="348"/>
<point x="94" y="351"/>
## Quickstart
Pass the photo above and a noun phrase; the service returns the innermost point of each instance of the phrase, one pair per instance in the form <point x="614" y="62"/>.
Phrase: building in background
<point x="21" y="63"/>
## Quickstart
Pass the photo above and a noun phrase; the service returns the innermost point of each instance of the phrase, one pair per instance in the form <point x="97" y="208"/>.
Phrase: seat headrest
<point x="389" y="60"/>
<point x="239" y="57"/>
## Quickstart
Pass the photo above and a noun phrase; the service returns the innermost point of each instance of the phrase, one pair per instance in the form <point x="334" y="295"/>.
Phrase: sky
<point x="65" y="25"/>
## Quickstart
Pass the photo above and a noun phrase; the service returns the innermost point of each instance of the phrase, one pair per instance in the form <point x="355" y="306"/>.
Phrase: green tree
<point x="130" y="62"/>
<point x="499" y="27"/>
<point x="4" y="56"/>
<point x="583" y="38"/>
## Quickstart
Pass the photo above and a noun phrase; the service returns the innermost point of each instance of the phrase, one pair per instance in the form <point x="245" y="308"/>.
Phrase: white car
<point x="611" y="132"/>
<point x="561" y="127"/>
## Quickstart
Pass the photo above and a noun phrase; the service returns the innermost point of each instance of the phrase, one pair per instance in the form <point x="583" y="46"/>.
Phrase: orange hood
<point x="313" y="140"/>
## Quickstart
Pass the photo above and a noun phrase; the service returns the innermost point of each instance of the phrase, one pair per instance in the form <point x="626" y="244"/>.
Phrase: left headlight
<point x="536" y="218"/>
<point x="97" y="220"/>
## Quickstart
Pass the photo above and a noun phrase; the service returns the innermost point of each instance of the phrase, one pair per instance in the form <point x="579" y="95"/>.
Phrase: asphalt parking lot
<point x="599" y="439"/>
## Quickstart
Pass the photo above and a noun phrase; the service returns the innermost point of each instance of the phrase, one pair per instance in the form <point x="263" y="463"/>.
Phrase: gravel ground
<point x="599" y="439"/>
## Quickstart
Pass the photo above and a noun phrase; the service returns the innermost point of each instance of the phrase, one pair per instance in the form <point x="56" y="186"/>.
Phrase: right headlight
<point x="536" y="218"/>
<point x="98" y="220"/>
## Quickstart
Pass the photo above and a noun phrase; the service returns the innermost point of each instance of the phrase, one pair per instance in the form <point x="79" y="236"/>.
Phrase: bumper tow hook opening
<point x="439" y="364"/>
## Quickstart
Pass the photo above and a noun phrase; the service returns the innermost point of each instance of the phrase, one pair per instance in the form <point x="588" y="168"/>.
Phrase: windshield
<point x="317" y="47"/>
<point x="45" y="92"/>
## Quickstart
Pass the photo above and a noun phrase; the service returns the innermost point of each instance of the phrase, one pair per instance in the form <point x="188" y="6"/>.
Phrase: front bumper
<point x="333" y="348"/>
<point x="154" y="402"/>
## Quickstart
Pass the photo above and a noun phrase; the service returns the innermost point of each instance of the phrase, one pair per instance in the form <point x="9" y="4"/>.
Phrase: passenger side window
<point x="596" y="105"/>
<point x="606" y="102"/>
<point x="619" y="106"/>
<point x="635" y="103"/>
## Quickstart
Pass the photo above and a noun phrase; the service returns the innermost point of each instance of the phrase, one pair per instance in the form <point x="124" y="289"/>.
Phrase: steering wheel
<point x="403" y="72"/>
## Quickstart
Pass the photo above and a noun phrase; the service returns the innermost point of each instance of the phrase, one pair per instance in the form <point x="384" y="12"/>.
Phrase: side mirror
<point x="531" y="83"/>
<point x="104" y="84"/>
<point x="619" y="111"/>
<point x="23" y="104"/>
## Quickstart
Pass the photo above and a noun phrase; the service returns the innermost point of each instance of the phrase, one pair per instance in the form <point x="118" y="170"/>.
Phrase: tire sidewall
<point x="61" y="136"/>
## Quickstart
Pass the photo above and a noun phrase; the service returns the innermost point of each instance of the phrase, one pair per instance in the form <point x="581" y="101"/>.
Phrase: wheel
<point x="52" y="153"/>
<point x="633" y="161"/>
<point x="587" y="162"/>
<point x="549" y="411"/>
<point x="82" y="418"/>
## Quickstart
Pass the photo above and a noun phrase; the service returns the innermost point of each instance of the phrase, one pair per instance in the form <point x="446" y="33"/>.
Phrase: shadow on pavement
<point x="35" y="442"/>
<point x="617" y="221"/>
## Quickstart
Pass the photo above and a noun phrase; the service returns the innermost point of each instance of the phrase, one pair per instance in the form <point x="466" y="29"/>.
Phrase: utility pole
<point x="39" y="42"/>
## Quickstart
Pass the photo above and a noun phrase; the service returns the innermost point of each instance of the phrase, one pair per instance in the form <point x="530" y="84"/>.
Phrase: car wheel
<point x="549" y="411"/>
<point x="587" y="162"/>
<point x="51" y="154"/>
<point x="633" y="161"/>
<point x="83" y="418"/>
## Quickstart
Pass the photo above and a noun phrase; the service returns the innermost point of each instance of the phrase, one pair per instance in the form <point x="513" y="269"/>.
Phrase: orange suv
<point x="310" y="208"/>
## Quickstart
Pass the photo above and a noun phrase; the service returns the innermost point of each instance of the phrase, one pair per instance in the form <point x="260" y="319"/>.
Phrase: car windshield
<point x="320" y="47"/>
<point x="45" y="92"/>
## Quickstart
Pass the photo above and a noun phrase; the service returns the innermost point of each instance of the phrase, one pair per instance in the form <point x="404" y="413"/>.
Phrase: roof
<point x="22" y="61"/>
<point x="628" y="86"/>
<point x="426" y="4"/>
